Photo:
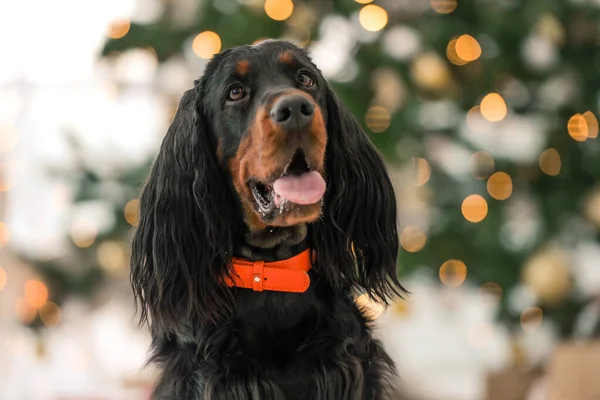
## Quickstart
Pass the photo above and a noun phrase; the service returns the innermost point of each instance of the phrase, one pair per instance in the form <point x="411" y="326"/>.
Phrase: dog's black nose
<point x="293" y="112"/>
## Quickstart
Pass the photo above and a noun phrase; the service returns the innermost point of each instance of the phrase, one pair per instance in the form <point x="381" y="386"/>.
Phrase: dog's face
<point x="266" y="107"/>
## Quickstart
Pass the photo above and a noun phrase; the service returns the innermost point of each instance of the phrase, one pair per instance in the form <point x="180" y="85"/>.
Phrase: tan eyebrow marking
<point x="242" y="67"/>
<point x="287" y="57"/>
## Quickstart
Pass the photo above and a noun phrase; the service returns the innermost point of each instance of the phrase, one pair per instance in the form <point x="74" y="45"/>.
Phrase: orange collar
<point x="289" y="275"/>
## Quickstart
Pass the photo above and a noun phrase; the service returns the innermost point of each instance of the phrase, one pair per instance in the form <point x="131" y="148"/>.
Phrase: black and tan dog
<point x="265" y="212"/>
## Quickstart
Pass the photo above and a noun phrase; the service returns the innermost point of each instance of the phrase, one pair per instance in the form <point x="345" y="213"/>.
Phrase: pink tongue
<point x="307" y="188"/>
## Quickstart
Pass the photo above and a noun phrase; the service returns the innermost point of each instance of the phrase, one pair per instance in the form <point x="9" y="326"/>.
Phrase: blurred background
<point x="485" y="110"/>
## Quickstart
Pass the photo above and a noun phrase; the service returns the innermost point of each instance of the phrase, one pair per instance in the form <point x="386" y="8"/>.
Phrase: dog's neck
<point x="272" y="243"/>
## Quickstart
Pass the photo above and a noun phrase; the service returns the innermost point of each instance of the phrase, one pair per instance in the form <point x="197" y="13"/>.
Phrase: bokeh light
<point x="206" y="44"/>
<point x="474" y="208"/>
<point x="3" y="278"/>
<point x="482" y="164"/>
<point x="423" y="170"/>
<point x="531" y="318"/>
<point x="413" y="239"/>
<point x="578" y="128"/>
<point x="36" y="293"/>
<point x="111" y="256"/>
<point x="453" y="273"/>
<point x="493" y="107"/>
<point x="451" y="53"/>
<point x="118" y="28"/>
<point x="591" y="124"/>
<point x="373" y="18"/>
<point x="378" y="119"/>
<point x="363" y="1"/>
<point x="279" y="10"/>
<point x="443" y="6"/>
<point x="132" y="212"/>
<point x="430" y="72"/>
<point x="83" y="232"/>
<point x="492" y="290"/>
<point x="50" y="314"/>
<point x="500" y="186"/>
<point x="550" y="162"/>
<point x="467" y="48"/>
<point x="4" y="234"/>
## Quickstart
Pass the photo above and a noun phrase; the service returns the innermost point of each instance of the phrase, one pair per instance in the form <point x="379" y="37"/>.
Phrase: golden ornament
<point x="548" y="274"/>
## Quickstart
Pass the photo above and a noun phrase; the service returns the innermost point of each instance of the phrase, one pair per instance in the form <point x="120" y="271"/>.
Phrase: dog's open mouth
<point x="297" y="185"/>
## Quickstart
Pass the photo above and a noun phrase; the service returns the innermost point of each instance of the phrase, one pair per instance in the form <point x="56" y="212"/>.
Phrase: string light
<point x="482" y="164"/>
<point x="550" y="162"/>
<point x="3" y="278"/>
<point x="206" y="44"/>
<point x="531" y="318"/>
<point x="4" y="234"/>
<point x="443" y="6"/>
<point x="279" y="10"/>
<point x="453" y="273"/>
<point x="493" y="107"/>
<point x="499" y="186"/>
<point x="423" y="170"/>
<point x="36" y="293"/>
<point x="413" y="239"/>
<point x="373" y="18"/>
<point x="378" y="119"/>
<point x="118" y="28"/>
<point x="132" y="212"/>
<point x="474" y="208"/>
<point x="50" y="314"/>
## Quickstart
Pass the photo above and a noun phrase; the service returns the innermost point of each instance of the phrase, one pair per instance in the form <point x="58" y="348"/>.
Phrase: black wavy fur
<point x="214" y="342"/>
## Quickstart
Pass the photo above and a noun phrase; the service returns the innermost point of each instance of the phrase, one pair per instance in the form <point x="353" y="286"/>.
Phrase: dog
<point x="265" y="213"/>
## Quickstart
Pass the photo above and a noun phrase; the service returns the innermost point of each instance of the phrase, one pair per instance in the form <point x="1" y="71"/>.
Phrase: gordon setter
<point x="265" y="213"/>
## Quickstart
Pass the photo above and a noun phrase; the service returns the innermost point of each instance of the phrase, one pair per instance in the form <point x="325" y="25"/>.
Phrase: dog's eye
<point x="235" y="93"/>
<point x="305" y="79"/>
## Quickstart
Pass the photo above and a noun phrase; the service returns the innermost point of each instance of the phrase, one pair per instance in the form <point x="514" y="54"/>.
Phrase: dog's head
<point x="260" y="141"/>
<point x="267" y="114"/>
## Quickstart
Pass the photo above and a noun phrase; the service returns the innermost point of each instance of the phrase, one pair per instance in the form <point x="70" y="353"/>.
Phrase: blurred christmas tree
<point x="485" y="110"/>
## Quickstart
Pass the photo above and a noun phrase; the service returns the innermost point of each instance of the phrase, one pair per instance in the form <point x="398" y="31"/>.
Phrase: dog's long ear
<point x="183" y="243"/>
<point x="356" y="240"/>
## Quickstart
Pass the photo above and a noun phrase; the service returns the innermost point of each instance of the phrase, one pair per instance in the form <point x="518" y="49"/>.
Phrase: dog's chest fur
<point x="294" y="346"/>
